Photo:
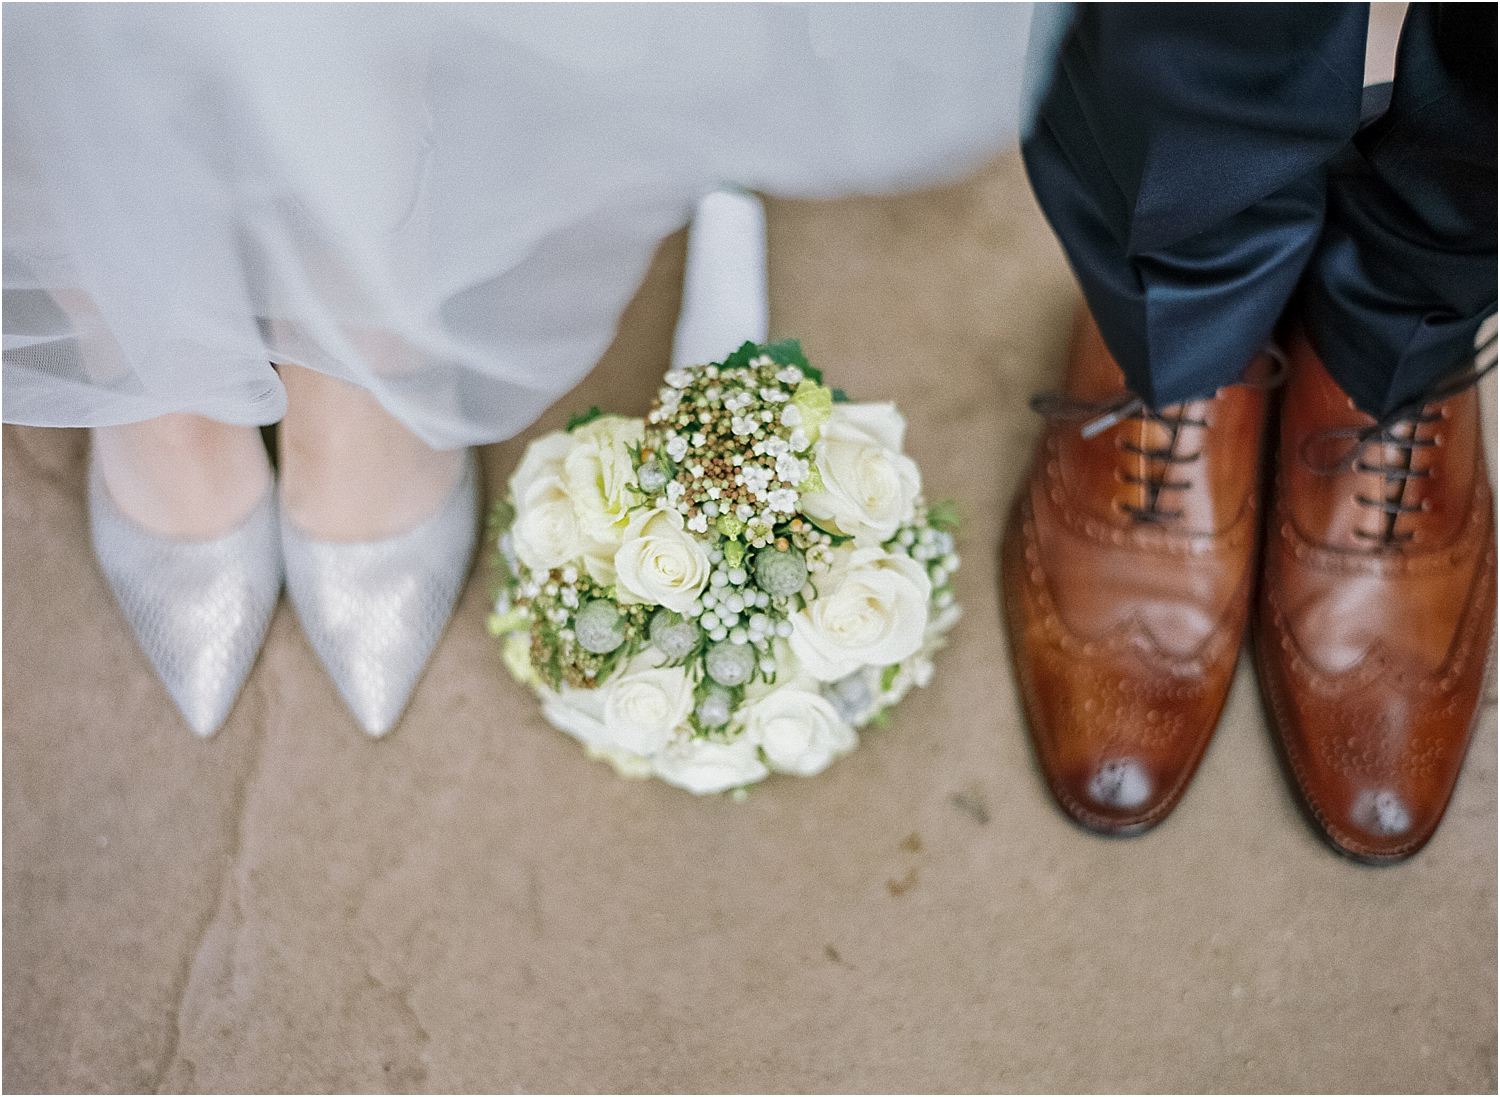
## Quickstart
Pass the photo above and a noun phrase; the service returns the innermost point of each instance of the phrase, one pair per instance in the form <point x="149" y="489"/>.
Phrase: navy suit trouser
<point x="1207" y="165"/>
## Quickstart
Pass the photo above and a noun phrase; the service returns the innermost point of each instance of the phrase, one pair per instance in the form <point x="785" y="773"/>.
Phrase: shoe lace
<point x="1163" y="464"/>
<point x="1398" y="430"/>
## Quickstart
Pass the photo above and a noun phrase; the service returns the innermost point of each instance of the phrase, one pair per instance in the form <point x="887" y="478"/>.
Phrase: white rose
<point x="869" y="486"/>
<point x="659" y="563"/>
<point x="579" y="712"/>
<point x="870" y="610"/>
<point x="545" y="531"/>
<point x="703" y="765"/>
<point x="543" y="460"/>
<point x="644" y="706"/>
<point x="799" y="731"/>
<point x="599" y="474"/>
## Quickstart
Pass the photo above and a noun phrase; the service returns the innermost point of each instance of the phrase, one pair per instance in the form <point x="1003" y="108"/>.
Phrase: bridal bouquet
<point x="730" y="587"/>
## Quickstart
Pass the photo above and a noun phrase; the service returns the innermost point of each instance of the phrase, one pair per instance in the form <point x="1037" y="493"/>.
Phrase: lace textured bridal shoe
<point x="374" y="610"/>
<point x="199" y="609"/>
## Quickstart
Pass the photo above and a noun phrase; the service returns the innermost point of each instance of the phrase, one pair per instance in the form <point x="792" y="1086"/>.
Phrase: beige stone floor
<point x="471" y="905"/>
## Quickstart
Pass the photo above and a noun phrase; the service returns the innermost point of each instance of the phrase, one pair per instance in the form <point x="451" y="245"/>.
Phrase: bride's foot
<point x="183" y="476"/>
<point x="351" y="472"/>
<point x="183" y="523"/>
<point x="378" y="532"/>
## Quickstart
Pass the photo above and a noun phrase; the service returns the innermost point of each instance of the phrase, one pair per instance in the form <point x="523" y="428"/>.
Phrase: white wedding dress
<point x="449" y="205"/>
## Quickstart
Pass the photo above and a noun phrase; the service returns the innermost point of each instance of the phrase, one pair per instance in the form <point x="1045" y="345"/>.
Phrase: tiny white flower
<point x="677" y="447"/>
<point x="783" y="500"/>
<point x="678" y="378"/>
<point x="791" y="416"/>
<point x="793" y="470"/>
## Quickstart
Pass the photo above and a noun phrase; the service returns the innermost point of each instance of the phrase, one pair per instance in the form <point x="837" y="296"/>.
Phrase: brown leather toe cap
<point x="1375" y="762"/>
<point x="1118" y="728"/>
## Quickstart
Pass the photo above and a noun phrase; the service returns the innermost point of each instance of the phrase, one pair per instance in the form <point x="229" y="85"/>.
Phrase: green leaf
<point x="741" y="358"/>
<point x="888" y="676"/>
<point x="734" y="553"/>
<point x="581" y="418"/>
<point x="943" y="515"/>
<point x="840" y="396"/>
<point x="501" y="515"/>
<point x="787" y="352"/>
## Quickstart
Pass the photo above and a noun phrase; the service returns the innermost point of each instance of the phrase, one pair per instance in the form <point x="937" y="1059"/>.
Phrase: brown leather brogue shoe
<point x="1127" y="570"/>
<point x="1377" y="608"/>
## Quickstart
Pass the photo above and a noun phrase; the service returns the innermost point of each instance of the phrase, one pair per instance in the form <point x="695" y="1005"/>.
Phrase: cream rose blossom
<point x="579" y="712"/>
<point x="870" y="610"/>
<point x="546" y="533"/>
<point x="869" y="487"/>
<point x="543" y="461"/>
<point x="798" y="730"/>
<point x="704" y="766"/>
<point x="600" y="475"/>
<point x="644" y="707"/>
<point x="659" y="562"/>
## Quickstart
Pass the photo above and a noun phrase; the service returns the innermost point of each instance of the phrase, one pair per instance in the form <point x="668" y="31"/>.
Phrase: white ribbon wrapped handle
<point x="724" y="296"/>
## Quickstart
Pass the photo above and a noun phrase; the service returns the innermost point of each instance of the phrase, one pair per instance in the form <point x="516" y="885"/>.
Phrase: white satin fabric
<point x="449" y="205"/>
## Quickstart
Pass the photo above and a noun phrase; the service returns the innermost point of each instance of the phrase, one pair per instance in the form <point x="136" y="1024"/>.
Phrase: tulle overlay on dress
<point x="448" y="205"/>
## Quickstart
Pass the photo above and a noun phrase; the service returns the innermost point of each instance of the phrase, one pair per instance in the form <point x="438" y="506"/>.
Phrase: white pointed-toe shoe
<point x="199" y="609"/>
<point x="374" y="610"/>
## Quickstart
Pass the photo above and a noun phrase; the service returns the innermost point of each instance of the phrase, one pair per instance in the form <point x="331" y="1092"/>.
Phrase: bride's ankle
<point x="350" y="471"/>
<point x="183" y="476"/>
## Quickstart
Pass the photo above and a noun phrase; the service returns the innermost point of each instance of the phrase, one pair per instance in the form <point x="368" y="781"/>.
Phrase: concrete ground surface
<point x="471" y="905"/>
